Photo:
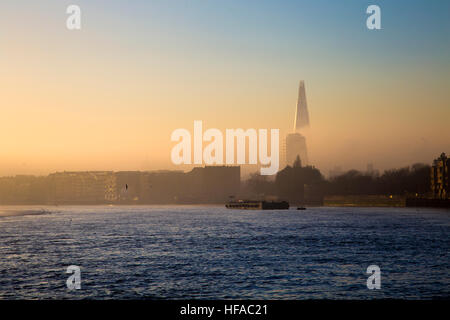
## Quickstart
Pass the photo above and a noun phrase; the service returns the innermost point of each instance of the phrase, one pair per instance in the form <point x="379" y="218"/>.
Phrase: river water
<point x="206" y="252"/>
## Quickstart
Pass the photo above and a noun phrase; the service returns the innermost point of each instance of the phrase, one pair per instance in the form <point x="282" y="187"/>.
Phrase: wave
<point x="18" y="213"/>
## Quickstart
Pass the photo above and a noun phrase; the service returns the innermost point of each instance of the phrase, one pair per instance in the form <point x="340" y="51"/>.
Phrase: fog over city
<point x="109" y="96"/>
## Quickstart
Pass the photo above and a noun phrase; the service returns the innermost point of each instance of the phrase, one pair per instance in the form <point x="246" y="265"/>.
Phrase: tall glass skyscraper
<point x="296" y="142"/>
<point x="301" y="112"/>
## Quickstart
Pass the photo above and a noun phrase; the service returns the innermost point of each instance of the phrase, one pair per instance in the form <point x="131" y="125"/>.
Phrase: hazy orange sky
<point x="108" y="96"/>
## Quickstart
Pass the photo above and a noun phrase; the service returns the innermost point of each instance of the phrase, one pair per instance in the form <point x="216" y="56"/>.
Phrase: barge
<point x="258" y="205"/>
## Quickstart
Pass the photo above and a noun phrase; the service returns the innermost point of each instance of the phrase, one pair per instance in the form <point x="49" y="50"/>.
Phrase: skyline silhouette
<point x="108" y="96"/>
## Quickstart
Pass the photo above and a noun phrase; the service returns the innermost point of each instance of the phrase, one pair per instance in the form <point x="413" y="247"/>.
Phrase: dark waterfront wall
<point x="432" y="203"/>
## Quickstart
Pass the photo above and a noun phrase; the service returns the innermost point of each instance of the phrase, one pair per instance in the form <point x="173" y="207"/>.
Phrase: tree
<point x="290" y="182"/>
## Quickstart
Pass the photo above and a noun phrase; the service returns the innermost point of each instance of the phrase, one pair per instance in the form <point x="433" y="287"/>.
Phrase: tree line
<point x="297" y="182"/>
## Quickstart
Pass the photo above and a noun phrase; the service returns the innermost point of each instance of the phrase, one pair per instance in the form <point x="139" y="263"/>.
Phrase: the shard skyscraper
<point x="296" y="142"/>
<point x="301" y="112"/>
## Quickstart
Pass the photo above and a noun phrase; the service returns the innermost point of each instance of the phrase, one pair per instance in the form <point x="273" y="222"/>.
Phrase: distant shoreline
<point x="363" y="201"/>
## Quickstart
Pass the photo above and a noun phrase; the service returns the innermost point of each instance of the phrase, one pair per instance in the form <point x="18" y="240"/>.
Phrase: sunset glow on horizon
<point x="108" y="96"/>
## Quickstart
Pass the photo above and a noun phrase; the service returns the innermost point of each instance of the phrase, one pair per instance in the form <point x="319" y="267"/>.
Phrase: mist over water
<point x="210" y="252"/>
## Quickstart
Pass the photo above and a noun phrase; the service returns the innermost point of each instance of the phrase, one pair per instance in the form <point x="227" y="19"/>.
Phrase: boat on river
<point x="257" y="205"/>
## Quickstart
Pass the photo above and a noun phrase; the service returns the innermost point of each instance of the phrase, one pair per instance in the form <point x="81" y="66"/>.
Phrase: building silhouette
<point x="296" y="142"/>
<point x="440" y="177"/>
<point x="213" y="184"/>
<point x="301" y="111"/>
<point x="210" y="184"/>
<point x="296" y="147"/>
<point x="82" y="187"/>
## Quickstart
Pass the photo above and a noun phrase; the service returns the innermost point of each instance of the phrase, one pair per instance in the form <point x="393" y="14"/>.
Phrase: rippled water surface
<point x="211" y="252"/>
